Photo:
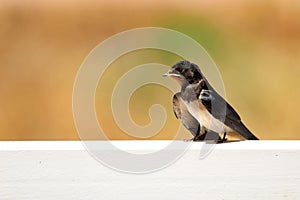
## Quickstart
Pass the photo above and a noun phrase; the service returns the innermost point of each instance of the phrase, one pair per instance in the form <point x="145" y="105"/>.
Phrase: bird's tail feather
<point x="244" y="131"/>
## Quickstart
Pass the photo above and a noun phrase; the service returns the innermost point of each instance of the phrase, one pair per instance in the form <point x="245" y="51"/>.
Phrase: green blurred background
<point x="255" y="44"/>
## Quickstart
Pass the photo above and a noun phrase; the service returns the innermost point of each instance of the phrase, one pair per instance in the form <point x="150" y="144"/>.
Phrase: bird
<point x="201" y="109"/>
<point x="189" y="122"/>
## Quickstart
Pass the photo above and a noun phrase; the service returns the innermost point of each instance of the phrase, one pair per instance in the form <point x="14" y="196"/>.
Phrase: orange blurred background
<point x="255" y="44"/>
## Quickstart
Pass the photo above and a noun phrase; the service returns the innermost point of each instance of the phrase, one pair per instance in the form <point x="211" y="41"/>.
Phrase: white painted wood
<point x="64" y="170"/>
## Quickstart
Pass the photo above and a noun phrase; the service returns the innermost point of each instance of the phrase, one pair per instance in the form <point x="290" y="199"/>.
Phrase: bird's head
<point x="184" y="72"/>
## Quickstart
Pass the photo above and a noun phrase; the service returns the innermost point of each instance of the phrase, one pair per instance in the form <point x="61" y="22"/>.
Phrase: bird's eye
<point x="179" y="70"/>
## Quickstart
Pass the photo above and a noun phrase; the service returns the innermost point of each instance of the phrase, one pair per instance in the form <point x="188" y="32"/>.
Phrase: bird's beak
<point x="171" y="73"/>
<point x="165" y="74"/>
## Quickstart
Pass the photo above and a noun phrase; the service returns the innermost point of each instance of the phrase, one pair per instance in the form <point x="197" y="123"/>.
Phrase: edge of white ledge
<point x="147" y="145"/>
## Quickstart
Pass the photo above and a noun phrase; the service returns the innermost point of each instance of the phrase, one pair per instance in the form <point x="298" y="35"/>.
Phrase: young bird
<point x="201" y="109"/>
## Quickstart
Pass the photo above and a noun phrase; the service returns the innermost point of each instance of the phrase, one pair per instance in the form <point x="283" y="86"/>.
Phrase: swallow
<point x="198" y="104"/>
<point x="189" y="122"/>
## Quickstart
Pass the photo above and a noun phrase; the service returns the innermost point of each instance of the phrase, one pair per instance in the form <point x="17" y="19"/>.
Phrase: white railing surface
<point x="65" y="170"/>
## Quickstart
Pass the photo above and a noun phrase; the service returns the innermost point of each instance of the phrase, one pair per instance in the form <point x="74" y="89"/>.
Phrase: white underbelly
<point x="206" y="120"/>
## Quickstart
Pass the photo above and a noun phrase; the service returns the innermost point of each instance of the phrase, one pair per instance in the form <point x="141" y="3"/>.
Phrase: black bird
<point x="201" y="109"/>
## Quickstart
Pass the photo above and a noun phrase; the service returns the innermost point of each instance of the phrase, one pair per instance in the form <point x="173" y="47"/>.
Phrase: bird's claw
<point x="223" y="140"/>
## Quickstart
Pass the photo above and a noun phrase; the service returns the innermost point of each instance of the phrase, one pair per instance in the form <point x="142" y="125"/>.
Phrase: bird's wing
<point x="181" y="112"/>
<point x="224" y="112"/>
<point x="217" y="106"/>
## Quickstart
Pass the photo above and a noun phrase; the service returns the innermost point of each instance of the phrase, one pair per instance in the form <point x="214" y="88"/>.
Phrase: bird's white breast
<point x="206" y="120"/>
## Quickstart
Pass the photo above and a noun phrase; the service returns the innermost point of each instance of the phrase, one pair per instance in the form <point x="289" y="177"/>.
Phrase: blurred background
<point x="255" y="44"/>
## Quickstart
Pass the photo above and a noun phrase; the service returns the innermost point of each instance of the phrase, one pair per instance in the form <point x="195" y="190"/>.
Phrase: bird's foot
<point x="198" y="138"/>
<point x="194" y="139"/>
<point x="223" y="140"/>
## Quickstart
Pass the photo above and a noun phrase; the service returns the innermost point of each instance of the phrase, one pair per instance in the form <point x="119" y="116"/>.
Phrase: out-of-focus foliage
<point x="42" y="45"/>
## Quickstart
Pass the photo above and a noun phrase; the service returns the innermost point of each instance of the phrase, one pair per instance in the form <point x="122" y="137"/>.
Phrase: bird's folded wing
<point x="224" y="112"/>
<point x="217" y="106"/>
<point x="182" y="113"/>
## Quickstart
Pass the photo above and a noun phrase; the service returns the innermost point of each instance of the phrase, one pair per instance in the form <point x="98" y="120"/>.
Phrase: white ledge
<point x="65" y="170"/>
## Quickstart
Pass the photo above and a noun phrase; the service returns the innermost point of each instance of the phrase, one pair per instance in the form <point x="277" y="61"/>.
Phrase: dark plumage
<point x="181" y="113"/>
<point x="200" y="108"/>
